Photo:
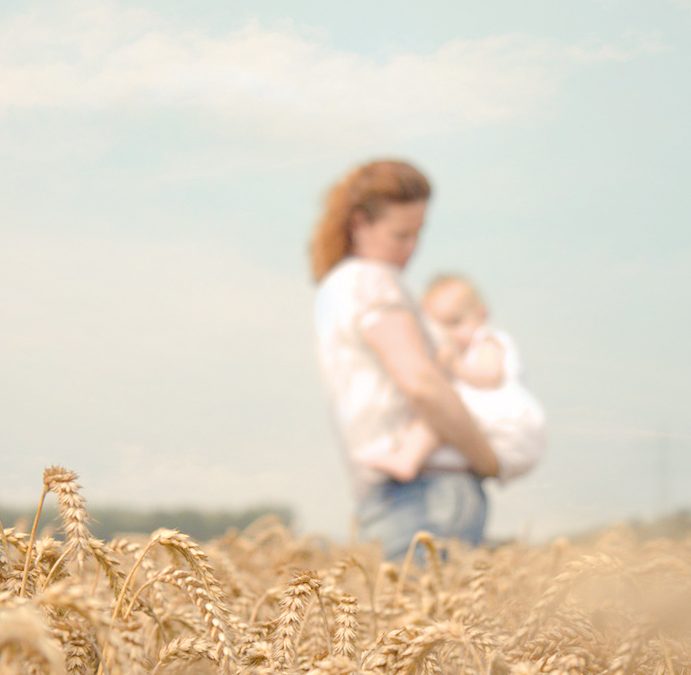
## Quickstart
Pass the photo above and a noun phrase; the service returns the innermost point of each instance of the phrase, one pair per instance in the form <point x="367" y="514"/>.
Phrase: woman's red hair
<point x="369" y="188"/>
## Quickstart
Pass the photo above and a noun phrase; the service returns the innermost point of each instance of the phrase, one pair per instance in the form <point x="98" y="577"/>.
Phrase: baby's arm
<point x="483" y="367"/>
<point x="404" y="461"/>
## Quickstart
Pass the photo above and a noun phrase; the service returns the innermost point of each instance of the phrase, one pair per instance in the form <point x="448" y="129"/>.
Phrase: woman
<point x="377" y="361"/>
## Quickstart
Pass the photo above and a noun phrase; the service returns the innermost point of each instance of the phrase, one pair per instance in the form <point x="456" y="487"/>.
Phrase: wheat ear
<point x="72" y="508"/>
<point x="347" y="626"/>
<point x="185" y="649"/>
<point x="293" y="605"/>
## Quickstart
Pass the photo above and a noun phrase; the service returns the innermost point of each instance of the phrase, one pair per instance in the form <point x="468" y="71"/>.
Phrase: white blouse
<point x="366" y="403"/>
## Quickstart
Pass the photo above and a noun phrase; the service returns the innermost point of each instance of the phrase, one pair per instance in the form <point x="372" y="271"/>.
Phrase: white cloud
<point x="281" y="83"/>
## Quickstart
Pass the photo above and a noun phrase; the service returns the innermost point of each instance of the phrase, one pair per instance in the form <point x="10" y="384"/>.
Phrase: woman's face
<point x="393" y="235"/>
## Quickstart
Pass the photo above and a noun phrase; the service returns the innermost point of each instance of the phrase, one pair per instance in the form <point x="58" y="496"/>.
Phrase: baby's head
<point x="455" y="304"/>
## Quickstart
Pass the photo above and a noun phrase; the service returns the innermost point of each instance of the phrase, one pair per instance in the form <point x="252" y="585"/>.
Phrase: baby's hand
<point x="447" y="355"/>
<point x="485" y="367"/>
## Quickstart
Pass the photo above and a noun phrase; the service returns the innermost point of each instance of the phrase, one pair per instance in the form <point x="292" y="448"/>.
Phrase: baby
<point x="484" y="367"/>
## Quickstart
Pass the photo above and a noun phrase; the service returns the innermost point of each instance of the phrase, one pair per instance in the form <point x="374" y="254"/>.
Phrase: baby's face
<point x="455" y="307"/>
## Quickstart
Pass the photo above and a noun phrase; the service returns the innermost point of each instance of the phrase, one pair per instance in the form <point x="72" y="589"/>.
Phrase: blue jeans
<point x="445" y="504"/>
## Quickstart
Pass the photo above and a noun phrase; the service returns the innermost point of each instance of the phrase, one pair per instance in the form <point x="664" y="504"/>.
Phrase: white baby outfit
<point x="511" y="418"/>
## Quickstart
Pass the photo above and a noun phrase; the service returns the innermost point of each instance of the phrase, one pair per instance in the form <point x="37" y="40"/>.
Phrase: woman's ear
<point x="358" y="219"/>
<point x="358" y="222"/>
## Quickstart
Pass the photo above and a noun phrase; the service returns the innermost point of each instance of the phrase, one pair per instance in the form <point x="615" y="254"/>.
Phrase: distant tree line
<point x="107" y="522"/>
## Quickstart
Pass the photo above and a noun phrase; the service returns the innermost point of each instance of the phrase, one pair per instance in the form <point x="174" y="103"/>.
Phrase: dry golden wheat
<point x="262" y="601"/>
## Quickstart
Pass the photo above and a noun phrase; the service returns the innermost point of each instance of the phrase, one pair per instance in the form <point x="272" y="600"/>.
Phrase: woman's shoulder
<point x="358" y="273"/>
<point x="354" y="266"/>
<point x="356" y="287"/>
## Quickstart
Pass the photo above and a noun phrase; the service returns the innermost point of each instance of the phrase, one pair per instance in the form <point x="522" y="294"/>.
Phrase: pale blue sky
<point x="163" y="164"/>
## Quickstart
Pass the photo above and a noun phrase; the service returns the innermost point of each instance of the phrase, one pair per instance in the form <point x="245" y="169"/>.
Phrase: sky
<point x="163" y="164"/>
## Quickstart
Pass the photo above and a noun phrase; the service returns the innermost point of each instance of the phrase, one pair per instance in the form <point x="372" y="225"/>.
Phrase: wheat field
<point x="263" y="601"/>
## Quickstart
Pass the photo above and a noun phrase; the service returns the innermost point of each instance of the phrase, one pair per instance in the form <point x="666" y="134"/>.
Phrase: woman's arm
<point x="404" y="458"/>
<point x="398" y="341"/>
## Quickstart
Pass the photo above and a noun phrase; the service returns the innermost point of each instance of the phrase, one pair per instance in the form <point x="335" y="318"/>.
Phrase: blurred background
<point x="163" y="163"/>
